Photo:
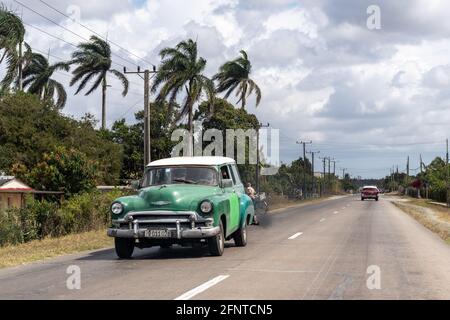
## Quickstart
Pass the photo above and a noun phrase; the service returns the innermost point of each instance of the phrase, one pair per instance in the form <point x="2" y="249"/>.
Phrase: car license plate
<point x="158" y="233"/>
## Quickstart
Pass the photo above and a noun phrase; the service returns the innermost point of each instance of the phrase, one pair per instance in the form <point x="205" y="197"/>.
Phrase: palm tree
<point x="235" y="75"/>
<point x="182" y="70"/>
<point x="37" y="77"/>
<point x="93" y="60"/>
<point x="12" y="34"/>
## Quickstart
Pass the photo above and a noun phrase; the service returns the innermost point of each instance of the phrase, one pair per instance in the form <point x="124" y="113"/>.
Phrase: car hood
<point x="176" y="197"/>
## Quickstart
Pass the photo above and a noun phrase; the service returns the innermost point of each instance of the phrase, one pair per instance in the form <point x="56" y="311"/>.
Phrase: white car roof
<point x="196" y="161"/>
<point x="370" y="187"/>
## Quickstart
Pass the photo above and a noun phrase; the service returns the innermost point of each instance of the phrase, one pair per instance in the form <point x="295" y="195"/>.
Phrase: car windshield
<point x="370" y="189"/>
<point x="181" y="175"/>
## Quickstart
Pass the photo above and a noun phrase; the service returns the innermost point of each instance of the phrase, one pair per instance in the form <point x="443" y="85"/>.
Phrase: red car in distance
<point x="369" y="192"/>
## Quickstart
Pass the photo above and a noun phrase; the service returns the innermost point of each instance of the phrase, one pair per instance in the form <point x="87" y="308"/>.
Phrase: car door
<point x="233" y="214"/>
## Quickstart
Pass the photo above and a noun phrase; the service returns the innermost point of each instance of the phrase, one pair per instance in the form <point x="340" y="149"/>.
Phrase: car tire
<point x="217" y="244"/>
<point x="376" y="199"/>
<point x="124" y="247"/>
<point x="362" y="199"/>
<point x="240" y="237"/>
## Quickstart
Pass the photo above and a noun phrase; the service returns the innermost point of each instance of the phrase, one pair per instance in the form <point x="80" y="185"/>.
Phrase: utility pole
<point x="407" y="176"/>
<point x="304" y="165"/>
<point x="334" y="167"/>
<point x="324" y="160"/>
<point x="313" y="153"/>
<point x="257" y="184"/>
<point x="421" y="163"/>
<point x="147" y="122"/>
<point x="447" y="177"/>
<point x="329" y="171"/>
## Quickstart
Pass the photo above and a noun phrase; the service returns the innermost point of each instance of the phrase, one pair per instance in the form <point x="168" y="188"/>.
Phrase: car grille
<point x="162" y="220"/>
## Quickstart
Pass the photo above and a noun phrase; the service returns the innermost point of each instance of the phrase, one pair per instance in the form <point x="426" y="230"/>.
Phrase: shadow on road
<point x="156" y="253"/>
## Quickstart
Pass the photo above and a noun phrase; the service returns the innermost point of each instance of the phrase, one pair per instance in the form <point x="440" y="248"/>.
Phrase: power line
<point x="68" y="75"/>
<point x="129" y="109"/>
<point x="60" y="39"/>
<point x="63" y="60"/>
<point x="362" y="144"/>
<point x="109" y="88"/>
<point x="96" y="33"/>
<point x="67" y="29"/>
<point x="50" y="20"/>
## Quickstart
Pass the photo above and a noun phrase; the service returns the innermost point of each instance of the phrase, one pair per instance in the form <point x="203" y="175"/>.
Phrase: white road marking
<point x="322" y="220"/>
<point x="192" y="293"/>
<point x="336" y="212"/>
<point x="298" y="234"/>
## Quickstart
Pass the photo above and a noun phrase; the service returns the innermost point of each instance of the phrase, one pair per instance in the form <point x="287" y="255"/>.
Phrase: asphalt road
<point x="317" y="251"/>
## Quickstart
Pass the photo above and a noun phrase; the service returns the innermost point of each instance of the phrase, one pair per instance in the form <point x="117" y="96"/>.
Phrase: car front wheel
<point x="217" y="244"/>
<point x="124" y="247"/>
<point x="240" y="238"/>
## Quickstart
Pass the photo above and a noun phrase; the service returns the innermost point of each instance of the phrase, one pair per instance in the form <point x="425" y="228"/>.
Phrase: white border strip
<point x="201" y="288"/>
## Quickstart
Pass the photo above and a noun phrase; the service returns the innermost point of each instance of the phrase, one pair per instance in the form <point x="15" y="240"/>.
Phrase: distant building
<point x="12" y="192"/>
<point x="318" y="174"/>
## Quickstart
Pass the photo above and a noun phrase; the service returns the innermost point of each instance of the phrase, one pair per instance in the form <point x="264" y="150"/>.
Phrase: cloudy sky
<point x="368" y="98"/>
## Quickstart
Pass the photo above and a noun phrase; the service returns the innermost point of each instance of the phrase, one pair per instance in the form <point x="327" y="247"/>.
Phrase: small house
<point x="12" y="192"/>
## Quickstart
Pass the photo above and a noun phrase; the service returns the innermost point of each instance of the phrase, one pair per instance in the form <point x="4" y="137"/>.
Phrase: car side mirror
<point x="227" y="183"/>
<point x="136" y="184"/>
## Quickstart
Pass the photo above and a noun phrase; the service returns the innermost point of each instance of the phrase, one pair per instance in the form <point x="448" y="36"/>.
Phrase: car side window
<point x="225" y="173"/>
<point x="233" y="176"/>
<point x="236" y="174"/>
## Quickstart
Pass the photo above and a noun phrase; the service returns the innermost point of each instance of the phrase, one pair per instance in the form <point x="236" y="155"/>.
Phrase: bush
<point x="87" y="211"/>
<point x="40" y="219"/>
<point x="10" y="228"/>
<point x="35" y="221"/>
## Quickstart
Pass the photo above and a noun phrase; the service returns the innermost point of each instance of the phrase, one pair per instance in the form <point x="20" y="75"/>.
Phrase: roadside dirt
<point x="433" y="217"/>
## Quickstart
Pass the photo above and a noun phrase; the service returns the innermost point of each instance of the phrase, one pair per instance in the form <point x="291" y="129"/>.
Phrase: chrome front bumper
<point x="199" y="233"/>
<point x="177" y="226"/>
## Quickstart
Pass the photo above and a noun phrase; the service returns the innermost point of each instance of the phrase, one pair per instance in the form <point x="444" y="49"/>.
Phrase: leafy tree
<point x="30" y="128"/>
<point x="37" y="77"/>
<point x="436" y="178"/>
<point x="93" y="60"/>
<point x="131" y="137"/>
<point x="65" y="170"/>
<point x="181" y="71"/>
<point x="235" y="76"/>
<point x="347" y="183"/>
<point x="226" y="117"/>
<point x="12" y="34"/>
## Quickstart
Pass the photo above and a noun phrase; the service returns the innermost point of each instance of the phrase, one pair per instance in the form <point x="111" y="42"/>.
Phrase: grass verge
<point x="52" y="247"/>
<point x="429" y="216"/>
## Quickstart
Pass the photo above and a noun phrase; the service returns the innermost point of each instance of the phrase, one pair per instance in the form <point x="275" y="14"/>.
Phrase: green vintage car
<point x="189" y="201"/>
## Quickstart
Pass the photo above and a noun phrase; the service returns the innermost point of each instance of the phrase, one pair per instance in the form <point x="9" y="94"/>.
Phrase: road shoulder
<point x="429" y="215"/>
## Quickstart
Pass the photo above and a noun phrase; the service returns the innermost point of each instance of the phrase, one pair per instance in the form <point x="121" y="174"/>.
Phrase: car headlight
<point x="206" y="207"/>
<point x="117" y="208"/>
